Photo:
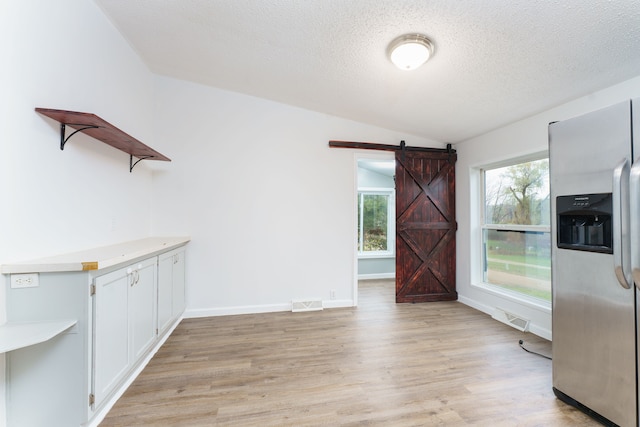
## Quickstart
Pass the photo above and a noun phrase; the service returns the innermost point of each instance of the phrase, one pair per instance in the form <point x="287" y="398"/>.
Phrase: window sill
<point x="376" y="255"/>
<point x="535" y="303"/>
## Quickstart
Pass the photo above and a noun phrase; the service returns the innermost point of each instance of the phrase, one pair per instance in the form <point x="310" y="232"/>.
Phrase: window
<point x="516" y="237"/>
<point x="376" y="222"/>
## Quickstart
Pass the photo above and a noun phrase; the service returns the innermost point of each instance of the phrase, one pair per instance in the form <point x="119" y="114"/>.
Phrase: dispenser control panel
<point x="584" y="222"/>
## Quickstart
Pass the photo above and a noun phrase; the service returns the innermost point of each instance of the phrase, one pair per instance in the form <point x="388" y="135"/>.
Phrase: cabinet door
<point x="171" y="298"/>
<point x="165" y="290"/>
<point x="178" y="283"/>
<point x="111" y="337"/>
<point x="142" y="304"/>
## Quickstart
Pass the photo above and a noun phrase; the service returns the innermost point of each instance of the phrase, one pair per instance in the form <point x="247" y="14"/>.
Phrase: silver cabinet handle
<point x="634" y="220"/>
<point x="130" y="276"/>
<point x="621" y="245"/>
<point x="134" y="277"/>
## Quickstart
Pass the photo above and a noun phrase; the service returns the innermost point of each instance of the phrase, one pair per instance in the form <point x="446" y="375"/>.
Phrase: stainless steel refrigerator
<point x="595" y="209"/>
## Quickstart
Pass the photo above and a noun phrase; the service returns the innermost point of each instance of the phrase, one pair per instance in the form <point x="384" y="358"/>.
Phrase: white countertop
<point x="97" y="258"/>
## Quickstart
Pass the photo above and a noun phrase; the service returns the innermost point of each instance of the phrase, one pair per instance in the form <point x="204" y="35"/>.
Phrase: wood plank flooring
<point x="381" y="364"/>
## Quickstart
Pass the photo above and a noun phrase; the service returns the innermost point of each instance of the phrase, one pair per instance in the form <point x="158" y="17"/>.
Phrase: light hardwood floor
<point x="380" y="364"/>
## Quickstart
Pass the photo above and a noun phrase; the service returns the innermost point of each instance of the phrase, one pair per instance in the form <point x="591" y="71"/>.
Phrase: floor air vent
<point x="312" y="305"/>
<point x="511" y="319"/>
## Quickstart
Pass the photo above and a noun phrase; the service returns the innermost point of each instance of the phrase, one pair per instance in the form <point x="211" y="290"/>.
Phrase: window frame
<point x="484" y="227"/>
<point x="391" y="222"/>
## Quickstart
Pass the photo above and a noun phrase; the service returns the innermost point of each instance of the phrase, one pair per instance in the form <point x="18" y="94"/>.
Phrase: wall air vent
<point x="311" y="305"/>
<point x="511" y="319"/>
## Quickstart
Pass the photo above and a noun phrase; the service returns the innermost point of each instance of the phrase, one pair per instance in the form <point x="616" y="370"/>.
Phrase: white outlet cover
<point x="27" y="280"/>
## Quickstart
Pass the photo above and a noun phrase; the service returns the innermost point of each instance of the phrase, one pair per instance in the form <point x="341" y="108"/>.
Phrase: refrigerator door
<point x="635" y="220"/>
<point x="594" y="350"/>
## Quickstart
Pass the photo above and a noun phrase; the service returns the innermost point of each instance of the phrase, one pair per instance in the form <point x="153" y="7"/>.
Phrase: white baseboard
<point x="376" y="276"/>
<point x="486" y="309"/>
<point x="243" y="309"/>
<point x="541" y="332"/>
<point x="334" y="303"/>
<point x="254" y="309"/>
<point x="534" y="328"/>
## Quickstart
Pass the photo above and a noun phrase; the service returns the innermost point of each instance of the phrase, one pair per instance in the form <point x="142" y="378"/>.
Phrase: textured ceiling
<point x="496" y="61"/>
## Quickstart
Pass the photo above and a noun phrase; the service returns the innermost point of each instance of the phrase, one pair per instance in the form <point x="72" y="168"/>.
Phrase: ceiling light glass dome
<point x="410" y="51"/>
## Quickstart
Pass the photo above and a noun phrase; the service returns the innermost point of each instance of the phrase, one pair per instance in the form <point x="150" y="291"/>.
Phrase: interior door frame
<point x="362" y="155"/>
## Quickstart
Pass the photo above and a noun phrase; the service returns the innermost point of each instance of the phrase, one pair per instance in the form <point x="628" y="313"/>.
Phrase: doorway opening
<point x="375" y="239"/>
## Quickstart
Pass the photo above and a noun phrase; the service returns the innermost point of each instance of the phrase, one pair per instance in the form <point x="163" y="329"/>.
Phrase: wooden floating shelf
<point x="101" y="130"/>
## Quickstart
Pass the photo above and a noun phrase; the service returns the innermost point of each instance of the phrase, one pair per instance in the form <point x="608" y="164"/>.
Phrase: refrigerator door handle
<point x="634" y="220"/>
<point x="621" y="244"/>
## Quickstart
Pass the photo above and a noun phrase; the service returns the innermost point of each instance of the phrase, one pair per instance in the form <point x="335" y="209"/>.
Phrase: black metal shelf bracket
<point x="63" y="129"/>
<point x="132" y="164"/>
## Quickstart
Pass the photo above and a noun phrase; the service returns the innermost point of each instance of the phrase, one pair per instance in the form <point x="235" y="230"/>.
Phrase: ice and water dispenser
<point x="584" y="222"/>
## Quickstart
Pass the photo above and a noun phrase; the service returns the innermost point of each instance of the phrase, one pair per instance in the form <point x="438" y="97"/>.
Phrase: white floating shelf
<point x="15" y="335"/>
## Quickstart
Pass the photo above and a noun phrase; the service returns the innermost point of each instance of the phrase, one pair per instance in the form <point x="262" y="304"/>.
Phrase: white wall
<point x="370" y="179"/>
<point x="270" y="207"/>
<point x="65" y="54"/>
<point x="518" y="139"/>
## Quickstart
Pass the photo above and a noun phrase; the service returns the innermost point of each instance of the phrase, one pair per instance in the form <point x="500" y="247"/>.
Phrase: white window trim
<point x="479" y="254"/>
<point x="391" y="223"/>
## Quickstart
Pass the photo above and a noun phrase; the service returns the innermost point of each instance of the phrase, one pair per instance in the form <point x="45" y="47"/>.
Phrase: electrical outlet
<point x="332" y="294"/>
<point x="28" y="280"/>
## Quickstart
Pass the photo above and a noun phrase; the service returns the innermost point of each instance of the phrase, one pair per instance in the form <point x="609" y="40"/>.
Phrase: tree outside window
<point x="375" y="222"/>
<point x="516" y="232"/>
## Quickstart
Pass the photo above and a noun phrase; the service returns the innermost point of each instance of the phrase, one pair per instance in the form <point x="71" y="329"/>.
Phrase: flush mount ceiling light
<point x="410" y="51"/>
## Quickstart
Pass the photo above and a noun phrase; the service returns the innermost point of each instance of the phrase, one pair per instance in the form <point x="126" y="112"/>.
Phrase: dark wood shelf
<point x="101" y="130"/>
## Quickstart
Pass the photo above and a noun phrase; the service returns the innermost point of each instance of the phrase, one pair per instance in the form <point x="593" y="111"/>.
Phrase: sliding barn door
<point x="425" y="226"/>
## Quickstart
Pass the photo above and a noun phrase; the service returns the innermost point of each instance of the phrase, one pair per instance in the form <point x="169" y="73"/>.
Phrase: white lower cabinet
<point x="110" y="333"/>
<point x="142" y="307"/>
<point x="124" y="326"/>
<point x="123" y="311"/>
<point x="171" y="296"/>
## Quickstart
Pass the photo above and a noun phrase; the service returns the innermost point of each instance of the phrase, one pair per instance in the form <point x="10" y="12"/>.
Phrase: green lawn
<point x="532" y="266"/>
<point x="543" y="261"/>
<point x="538" y="293"/>
<point x="520" y="270"/>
